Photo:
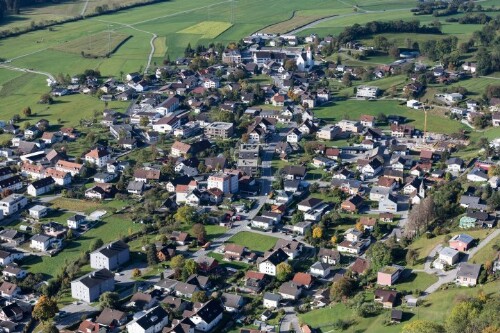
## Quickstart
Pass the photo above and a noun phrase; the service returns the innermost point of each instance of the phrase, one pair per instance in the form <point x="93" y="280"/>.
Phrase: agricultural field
<point x="208" y="29"/>
<point x="101" y="44"/>
<point x="253" y="241"/>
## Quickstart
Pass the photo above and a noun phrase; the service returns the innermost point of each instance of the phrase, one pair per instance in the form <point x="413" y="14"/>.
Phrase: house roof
<point x="152" y="317"/>
<point x="464" y="238"/>
<point x="323" y="252"/>
<point x="360" y="266"/>
<point x="108" y="316"/>
<point x="289" y="288"/>
<point x="470" y="271"/>
<point x="302" y="279"/>
<point x="147" y="174"/>
<point x="368" y="221"/>
<point x="386" y="295"/>
<point x="210" y="311"/>
<point x="8" y="288"/>
<point x="234" y="248"/>
<point x="276" y="257"/>
<point x="231" y="300"/>
<point x="95" y="278"/>
<point x="97" y="153"/>
<point x="181" y="146"/>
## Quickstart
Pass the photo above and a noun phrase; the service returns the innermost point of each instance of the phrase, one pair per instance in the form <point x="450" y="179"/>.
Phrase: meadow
<point x="100" y="44"/>
<point x="353" y="109"/>
<point x="253" y="241"/>
<point x="436" y="308"/>
<point x="208" y="29"/>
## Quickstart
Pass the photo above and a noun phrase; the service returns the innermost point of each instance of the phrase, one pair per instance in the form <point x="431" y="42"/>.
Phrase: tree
<point x="151" y="255"/>
<point x="462" y="316"/>
<point x="46" y="99"/>
<point x="317" y="232"/>
<point x="334" y="239"/>
<point x="346" y="79"/>
<point x="50" y="328"/>
<point x="144" y="121"/>
<point x="283" y="271"/>
<point x="341" y="289"/>
<point x="95" y="244"/>
<point x="411" y="257"/>
<point x="110" y="300"/>
<point x="297" y="217"/>
<point x="186" y="214"/>
<point x="191" y="267"/>
<point x="380" y="255"/>
<point x="290" y="65"/>
<point x="27" y="111"/>
<point x="199" y="232"/>
<point x="136" y="273"/>
<point x="177" y="262"/>
<point x="45" y="308"/>
<point x="394" y="52"/>
<point x="420" y="217"/>
<point x="199" y="296"/>
<point x="359" y="226"/>
<point x="423" y="326"/>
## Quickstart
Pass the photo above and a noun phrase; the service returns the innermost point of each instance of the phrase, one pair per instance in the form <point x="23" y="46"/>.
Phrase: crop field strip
<point x="208" y="29"/>
<point x="96" y="45"/>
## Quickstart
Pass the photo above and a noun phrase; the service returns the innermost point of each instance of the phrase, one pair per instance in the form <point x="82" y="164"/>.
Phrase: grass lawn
<point x="253" y="241"/>
<point x="229" y="264"/>
<point x="353" y="109"/>
<point x="487" y="253"/>
<point x="424" y="246"/>
<point x="86" y="206"/>
<point x="416" y="281"/>
<point x="436" y="308"/>
<point x="111" y="228"/>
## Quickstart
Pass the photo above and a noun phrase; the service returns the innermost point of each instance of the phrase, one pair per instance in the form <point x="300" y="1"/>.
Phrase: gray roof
<point x="95" y="278"/>
<point x="463" y="238"/>
<point x="272" y="297"/>
<point x="467" y="270"/>
<point x="113" y="249"/>
<point x="40" y="238"/>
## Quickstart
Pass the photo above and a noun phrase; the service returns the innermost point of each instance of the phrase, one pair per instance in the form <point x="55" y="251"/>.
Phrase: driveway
<point x="74" y="313"/>
<point x="290" y="321"/>
<point x="449" y="276"/>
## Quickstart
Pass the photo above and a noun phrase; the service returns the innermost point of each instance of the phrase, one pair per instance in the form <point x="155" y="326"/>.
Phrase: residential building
<point x="40" y="242"/>
<point x="219" y="129"/>
<point x="467" y="274"/>
<point x="13" y="204"/>
<point x="271" y="301"/>
<point x="75" y="221"/>
<point x="89" y="287"/>
<point x="151" y="321"/>
<point x="98" y="157"/>
<point x="447" y="257"/>
<point x="110" y="256"/>
<point x="461" y="242"/>
<point x="269" y="263"/>
<point x="367" y="92"/>
<point x="38" y="211"/>
<point x="226" y="182"/>
<point x="41" y="186"/>
<point x="73" y="168"/>
<point x="389" y="275"/>
<point x="208" y="316"/>
<point x="328" y="132"/>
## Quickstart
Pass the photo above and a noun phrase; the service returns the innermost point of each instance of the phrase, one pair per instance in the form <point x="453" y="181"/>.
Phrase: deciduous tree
<point x="45" y="308"/>
<point x="283" y="271"/>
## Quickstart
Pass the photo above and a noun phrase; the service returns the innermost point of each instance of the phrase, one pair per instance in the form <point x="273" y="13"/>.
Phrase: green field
<point x="111" y="228"/>
<point x="436" y="308"/>
<point x="415" y="281"/>
<point x="253" y="241"/>
<point x="24" y="90"/>
<point x="487" y="253"/>
<point x="208" y="29"/>
<point x="87" y="207"/>
<point x="425" y="245"/>
<point x="355" y="108"/>
<point x="97" y="45"/>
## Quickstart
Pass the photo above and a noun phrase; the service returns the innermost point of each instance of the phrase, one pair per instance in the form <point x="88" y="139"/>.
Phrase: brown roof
<point x="386" y="181"/>
<point x="108" y="316"/>
<point x="147" y="174"/>
<point x="69" y="165"/>
<point x="88" y="326"/>
<point x="426" y="154"/>
<point x="8" y="288"/>
<point x="360" y="266"/>
<point x="32" y="167"/>
<point x="255" y="275"/>
<point x="234" y="248"/>
<point x="97" y="153"/>
<point x="181" y="146"/>
<point x="302" y="279"/>
<point x="386" y="295"/>
<point x="369" y="221"/>
<point x="180" y="236"/>
<point x="54" y="173"/>
<point x="366" y="117"/>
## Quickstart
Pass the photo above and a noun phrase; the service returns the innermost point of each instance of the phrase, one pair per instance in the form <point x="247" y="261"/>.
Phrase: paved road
<point x="290" y="321"/>
<point x="449" y="276"/>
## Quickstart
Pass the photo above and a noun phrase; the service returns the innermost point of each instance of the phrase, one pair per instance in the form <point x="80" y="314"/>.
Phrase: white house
<point x="367" y="92"/>
<point x="98" y="157"/>
<point x="90" y="286"/>
<point x="75" y="221"/>
<point x="13" y="204"/>
<point x="208" y="316"/>
<point x="269" y="264"/>
<point x="319" y="269"/>
<point x="151" y="321"/>
<point x="41" y="186"/>
<point x="271" y="301"/>
<point x="38" y="211"/>
<point x="293" y="136"/>
<point x="447" y="256"/>
<point x="40" y="242"/>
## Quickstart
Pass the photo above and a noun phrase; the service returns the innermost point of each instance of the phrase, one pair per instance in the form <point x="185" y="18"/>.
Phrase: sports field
<point x="208" y="29"/>
<point x="96" y="45"/>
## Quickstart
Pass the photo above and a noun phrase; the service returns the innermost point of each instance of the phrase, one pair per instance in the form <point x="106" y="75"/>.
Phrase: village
<point x="234" y="206"/>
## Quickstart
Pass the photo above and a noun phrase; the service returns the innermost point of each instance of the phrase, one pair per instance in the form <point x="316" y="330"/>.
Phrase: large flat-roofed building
<point x="219" y="129"/>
